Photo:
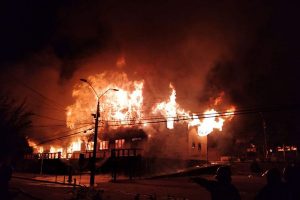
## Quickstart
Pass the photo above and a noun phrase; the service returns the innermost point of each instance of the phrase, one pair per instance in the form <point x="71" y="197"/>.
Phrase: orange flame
<point x="118" y="106"/>
<point x="211" y="118"/>
<point x="126" y="105"/>
<point x="169" y="109"/>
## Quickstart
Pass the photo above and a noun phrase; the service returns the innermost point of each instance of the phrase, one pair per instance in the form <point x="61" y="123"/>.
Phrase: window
<point x="103" y="145"/>
<point x="119" y="144"/>
<point x="193" y="145"/>
<point x="199" y="146"/>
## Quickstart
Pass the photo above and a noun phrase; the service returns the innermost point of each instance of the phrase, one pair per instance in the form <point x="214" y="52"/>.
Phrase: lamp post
<point x="93" y="167"/>
<point x="265" y="135"/>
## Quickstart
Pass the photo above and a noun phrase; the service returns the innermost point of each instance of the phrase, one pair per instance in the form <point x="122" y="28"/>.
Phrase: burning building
<point x="130" y="118"/>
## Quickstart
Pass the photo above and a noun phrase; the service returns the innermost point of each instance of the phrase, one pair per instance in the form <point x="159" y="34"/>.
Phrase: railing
<point x="126" y="152"/>
<point x="88" y="154"/>
<point x="43" y="156"/>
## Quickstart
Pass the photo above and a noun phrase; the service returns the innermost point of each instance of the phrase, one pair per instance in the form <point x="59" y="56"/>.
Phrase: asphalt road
<point x="27" y="189"/>
<point x="167" y="188"/>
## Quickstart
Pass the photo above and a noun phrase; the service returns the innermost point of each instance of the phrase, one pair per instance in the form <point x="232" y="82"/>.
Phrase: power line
<point x="198" y="115"/>
<point x="55" y="125"/>
<point x="52" y="118"/>
<point x="47" y="117"/>
<point x="57" y="138"/>
<point x="176" y="118"/>
<point x="62" y="137"/>
<point x="47" y="126"/>
<point x="53" y="103"/>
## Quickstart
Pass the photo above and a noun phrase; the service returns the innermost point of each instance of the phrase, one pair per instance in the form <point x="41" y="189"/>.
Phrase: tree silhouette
<point x="14" y="124"/>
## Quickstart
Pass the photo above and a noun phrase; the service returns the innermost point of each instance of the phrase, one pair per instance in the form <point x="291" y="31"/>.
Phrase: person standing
<point x="274" y="189"/>
<point x="221" y="188"/>
<point x="291" y="176"/>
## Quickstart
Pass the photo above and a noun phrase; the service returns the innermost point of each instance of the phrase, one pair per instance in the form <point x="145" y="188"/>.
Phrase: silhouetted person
<point x="70" y="174"/>
<point x="5" y="176"/>
<point x="291" y="177"/>
<point x="222" y="187"/>
<point x="274" y="189"/>
<point x="254" y="167"/>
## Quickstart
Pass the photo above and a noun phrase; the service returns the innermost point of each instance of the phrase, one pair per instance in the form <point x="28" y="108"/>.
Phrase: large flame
<point x="118" y="106"/>
<point x="205" y="123"/>
<point x="210" y="121"/>
<point x="169" y="109"/>
<point x="124" y="107"/>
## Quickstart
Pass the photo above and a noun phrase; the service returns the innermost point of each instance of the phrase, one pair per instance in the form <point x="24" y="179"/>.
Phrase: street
<point x="167" y="188"/>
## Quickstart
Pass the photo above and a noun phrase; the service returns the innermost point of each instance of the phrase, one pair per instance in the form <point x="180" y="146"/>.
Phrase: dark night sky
<point x="248" y="49"/>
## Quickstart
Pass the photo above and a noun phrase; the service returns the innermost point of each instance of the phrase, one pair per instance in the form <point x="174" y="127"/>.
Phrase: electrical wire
<point x="176" y="118"/>
<point x="198" y="115"/>
<point x="62" y="137"/>
<point x="51" y="102"/>
<point x="47" y="117"/>
<point x="53" y="138"/>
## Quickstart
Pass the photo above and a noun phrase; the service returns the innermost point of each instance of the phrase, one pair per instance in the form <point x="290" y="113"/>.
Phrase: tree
<point x="14" y="124"/>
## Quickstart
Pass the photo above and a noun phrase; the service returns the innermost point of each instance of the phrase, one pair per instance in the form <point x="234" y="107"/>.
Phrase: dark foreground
<point x="162" y="188"/>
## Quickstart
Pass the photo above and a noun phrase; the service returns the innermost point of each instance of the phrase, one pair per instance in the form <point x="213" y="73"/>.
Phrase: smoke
<point x="202" y="48"/>
<point x="174" y="39"/>
<point x="263" y="73"/>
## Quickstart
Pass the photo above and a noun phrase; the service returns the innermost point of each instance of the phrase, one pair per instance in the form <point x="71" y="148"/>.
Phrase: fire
<point x="41" y="149"/>
<point x="169" y="109"/>
<point x="211" y="119"/>
<point x="117" y="106"/>
<point x="230" y="112"/>
<point x="127" y="105"/>
<point x="74" y="146"/>
<point x="55" y="150"/>
<point x="35" y="147"/>
<point x="124" y="107"/>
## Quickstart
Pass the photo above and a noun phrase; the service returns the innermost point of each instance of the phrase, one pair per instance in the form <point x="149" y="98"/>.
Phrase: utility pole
<point x="93" y="167"/>
<point x="207" y="150"/>
<point x="42" y="162"/>
<point x="265" y="136"/>
<point x="265" y="139"/>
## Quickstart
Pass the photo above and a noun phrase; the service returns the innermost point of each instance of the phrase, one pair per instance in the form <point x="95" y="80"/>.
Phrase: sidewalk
<point x="82" y="180"/>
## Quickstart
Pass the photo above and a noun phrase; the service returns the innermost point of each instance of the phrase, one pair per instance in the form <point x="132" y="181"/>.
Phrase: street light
<point x="93" y="167"/>
<point x="265" y="135"/>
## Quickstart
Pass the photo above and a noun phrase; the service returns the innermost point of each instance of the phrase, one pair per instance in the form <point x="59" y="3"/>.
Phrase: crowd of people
<point x="281" y="186"/>
<point x="278" y="187"/>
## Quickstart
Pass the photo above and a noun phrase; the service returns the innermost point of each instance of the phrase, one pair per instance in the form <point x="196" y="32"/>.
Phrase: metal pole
<point x="265" y="136"/>
<point x="283" y="146"/>
<point x="42" y="162"/>
<point x="265" y="139"/>
<point x="207" y="149"/>
<point x="93" y="167"/>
